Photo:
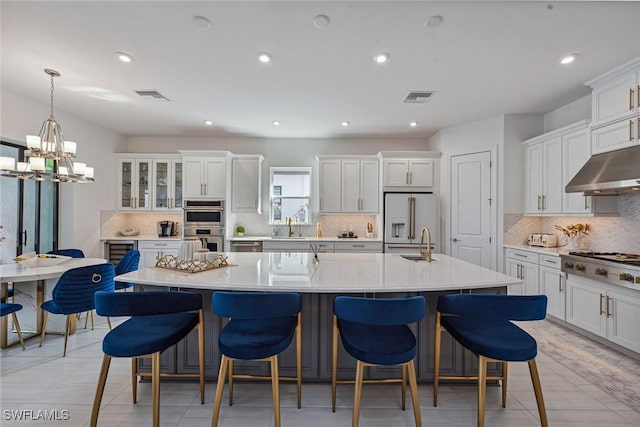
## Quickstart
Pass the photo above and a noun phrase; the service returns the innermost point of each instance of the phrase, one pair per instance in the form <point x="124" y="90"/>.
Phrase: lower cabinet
<point x="523" y="265"/>
<point x="151" y="249"/>
<point x="552" y="284"/>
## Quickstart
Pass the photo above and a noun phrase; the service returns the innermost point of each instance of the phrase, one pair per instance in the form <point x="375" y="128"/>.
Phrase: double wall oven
<point x="204" y="220"/>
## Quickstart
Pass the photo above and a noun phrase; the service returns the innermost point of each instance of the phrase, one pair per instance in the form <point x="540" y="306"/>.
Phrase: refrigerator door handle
<point x="413" y="218"/>
<point x="410" y="218"/>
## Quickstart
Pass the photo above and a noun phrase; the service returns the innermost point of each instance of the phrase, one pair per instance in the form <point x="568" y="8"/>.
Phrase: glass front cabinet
<point x="146" y="184"/>
<point x="167" y="182"/>
<point x="134" y="191"/>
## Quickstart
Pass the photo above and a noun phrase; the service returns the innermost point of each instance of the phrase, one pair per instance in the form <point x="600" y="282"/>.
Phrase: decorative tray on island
<point x="171" y="262"/>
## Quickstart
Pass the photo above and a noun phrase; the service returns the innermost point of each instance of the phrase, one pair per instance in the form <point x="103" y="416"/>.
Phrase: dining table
<point x="31" y="286"/>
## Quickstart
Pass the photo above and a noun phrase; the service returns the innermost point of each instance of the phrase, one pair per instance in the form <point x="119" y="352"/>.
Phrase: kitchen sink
<point x="415" y="258"/>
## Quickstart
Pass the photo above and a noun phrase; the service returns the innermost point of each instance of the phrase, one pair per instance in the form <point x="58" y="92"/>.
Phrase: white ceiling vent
<point x="418" y="97"/>
<point x="152" y="95"/>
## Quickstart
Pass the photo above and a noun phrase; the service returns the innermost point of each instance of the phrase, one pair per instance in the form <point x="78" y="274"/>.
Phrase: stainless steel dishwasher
<point x="246" y="246"/>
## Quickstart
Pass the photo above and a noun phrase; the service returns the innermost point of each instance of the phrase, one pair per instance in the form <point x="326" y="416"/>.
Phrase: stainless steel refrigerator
<point x="405" y="214"/>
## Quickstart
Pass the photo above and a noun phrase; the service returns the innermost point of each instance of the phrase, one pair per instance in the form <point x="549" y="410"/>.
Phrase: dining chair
<point x="129" y="262"/>
<point x="261" y="326"/>
<point x="375" y="331"/>
<point x="74" y="292"/>
<point x="10" y="308"/>
<point x="159" y="320"/>
<point x="73" y="253"/>
<point x="482" y="323"/>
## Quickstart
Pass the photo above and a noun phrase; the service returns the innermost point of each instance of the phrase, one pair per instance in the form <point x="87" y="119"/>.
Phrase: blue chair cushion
<point x="123" y="285"/>
<point x="378" y="344"/>
<point x="248" y="339"/>
<point x="500" y="340"/>
<point x="142" y="335"/>
<point x="6" y="309"/>
<point x="52" y="307"/>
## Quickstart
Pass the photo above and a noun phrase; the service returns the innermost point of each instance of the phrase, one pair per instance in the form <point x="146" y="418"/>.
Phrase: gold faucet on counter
<point x="426" y="254"/>
<point x="288" y="222"/>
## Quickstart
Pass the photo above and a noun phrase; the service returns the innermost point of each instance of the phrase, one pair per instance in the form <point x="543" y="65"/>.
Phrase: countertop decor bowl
<point x="42" y="260"/>
<point x="129" y="232"/>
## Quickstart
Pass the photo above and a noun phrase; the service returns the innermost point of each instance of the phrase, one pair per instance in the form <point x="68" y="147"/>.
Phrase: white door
<point x="471" y="208"/>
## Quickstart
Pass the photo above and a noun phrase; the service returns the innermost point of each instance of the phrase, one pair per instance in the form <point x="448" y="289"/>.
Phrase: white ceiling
<point x="486" y="58"/>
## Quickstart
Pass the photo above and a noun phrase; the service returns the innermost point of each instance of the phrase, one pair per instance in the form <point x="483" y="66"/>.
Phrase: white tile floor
<point x="39" y="379"/>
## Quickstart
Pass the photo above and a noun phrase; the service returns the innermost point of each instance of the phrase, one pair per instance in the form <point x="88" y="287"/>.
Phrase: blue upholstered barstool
<point x="375" y="331"/>
<point x="73" y="253"/>
<point x="482" y="324"/>
<point x="6" y="309"/>
<point x="128" y="263"/>
<point x="261" y="326"/>
<point x="159" y="320"/>
<point x="74" y="294"/>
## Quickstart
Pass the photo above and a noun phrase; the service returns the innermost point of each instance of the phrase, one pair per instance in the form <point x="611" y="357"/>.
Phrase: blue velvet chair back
<point x="129" y="262"/>
<point x="146" y="303"/>
<point x="380" y="311"/>
<point x="73" y="253"/>
<point x="256" y="305"/>
<point x="6" y="309"/>
<point x="75" y="288"/>
<point x="494" y="307"/>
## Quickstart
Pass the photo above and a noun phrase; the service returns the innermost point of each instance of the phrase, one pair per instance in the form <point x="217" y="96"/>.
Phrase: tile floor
<point x="39" y="379"/>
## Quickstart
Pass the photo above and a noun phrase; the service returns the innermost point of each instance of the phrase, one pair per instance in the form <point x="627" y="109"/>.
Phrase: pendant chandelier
<point x="49" y="156"/>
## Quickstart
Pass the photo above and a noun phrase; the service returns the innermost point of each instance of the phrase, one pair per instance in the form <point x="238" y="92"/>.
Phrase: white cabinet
<point x="352" y="246"/>
<point x="551" y="161"/>
<point x="605" y="310"/>
<point x="296" y="246"/>
<point x="204" y="177"/>
<point x="552" y="284"/>
<point x="523" y="265"/>
<point x="246" y="183"/>
<point x="167" y="185"/>
<point x="134" y="189"/>
<point x="349" y="185"/>
<point x="615" y="108"/>
<point x="151" y="249"/>
<point x="543" y="177"/>
<point x="408" y="173"/>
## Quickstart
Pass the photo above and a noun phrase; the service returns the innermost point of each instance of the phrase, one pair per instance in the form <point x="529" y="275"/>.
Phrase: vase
<point x="574" y="242"/>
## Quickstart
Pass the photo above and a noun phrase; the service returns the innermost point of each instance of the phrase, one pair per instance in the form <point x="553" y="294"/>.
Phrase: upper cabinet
<point x="551" y="161"/>
<point x="204" y="175"/>
<point x="615" y="108"/>
<point x="167" y="185"/>
<point x="408" y="173"/>
<point x="349" y="184"/>
<point x="134" y="184"/>
<point x="246" y="183"/>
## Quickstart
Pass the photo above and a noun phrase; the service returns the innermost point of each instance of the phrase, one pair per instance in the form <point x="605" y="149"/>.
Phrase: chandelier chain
<point x="51" y="111"/>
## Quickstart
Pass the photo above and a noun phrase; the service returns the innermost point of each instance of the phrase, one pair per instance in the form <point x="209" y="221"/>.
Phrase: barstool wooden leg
<point x="275" y="385"/>
<point x="413" y="385"/>
<point x="403" y="373"/>
<point x="505" y="371"/>
<point x="224" y="362"/>
<point x="155" y="387"/>
<point x="482" y="388"/>
<point x="358" y="394"/>
<point x="102" y="379"/>
<point x="66" y="334"/>
<point x="299" y="359"/>
<point x="201" y="355"/>
<point x="334" y="364"/>
<point x="230" y="370"/>
<point x="44" y="327"/>
<point x="109" y="322"/>
<point x="537" y="388"/>
<point x="17" y="325"/>
<point x="436" y="360"/>
<point x="134" y="379"/>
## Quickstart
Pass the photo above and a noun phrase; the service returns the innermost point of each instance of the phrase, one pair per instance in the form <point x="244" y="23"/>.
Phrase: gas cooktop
<point x="629" y="259"/>
<point x="611" y="267"/>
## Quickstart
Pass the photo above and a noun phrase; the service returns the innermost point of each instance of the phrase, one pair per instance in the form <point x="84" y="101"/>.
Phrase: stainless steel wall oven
<point x="204" y="220"/>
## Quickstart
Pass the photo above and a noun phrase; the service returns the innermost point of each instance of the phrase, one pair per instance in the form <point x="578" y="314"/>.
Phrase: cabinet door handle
<point x="609" y="311"/>
<point x="630" y="99"/>
<point x="206" y="191"/>
<point x="559" y="282"/>
<point x="601" y="311"/>
<point x="638" y="131"/>
<point x="630" y="130"/>
<point x="544" y="202"/>
<point x="406" y="178"/>
<point x="410" y="177"/>
<point x="539" y="197"/>
<point x="135" y="202"/>
<point x="585" y="203"/>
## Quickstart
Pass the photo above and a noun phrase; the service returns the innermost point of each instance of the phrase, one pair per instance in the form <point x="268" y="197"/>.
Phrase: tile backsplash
<point x="608" y="234"/>
<point x="115" y="221"/>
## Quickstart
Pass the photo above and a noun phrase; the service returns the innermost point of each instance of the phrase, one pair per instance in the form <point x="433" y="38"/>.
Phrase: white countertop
<point x="140" y="237"/>
<point x="17" y="272"/>
<point x="562" y="250"/>
<point x="303" y="239"/>
<point x="340" y="272"/>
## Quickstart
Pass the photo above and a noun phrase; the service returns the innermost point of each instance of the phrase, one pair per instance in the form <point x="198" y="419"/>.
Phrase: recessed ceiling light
<point x="413" y="124"/>
<point x="381" y="58"/>
<point x="569" y="59"/>
<point x="276" y="122"/>
<point x="264" y="57"/>
<point x="433" y="21"/>
<point x="320" y="21"/>
<point x="124" y="57"/>
<point x="208" y="122"/>
<point x="201" y="21"/>
<point x="345" y="123"/>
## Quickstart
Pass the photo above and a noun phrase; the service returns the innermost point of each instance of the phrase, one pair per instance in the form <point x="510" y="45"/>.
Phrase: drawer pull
<point x="550" y="261"/>
<point x="521" y="255"/>
<point x="601" y="312"/>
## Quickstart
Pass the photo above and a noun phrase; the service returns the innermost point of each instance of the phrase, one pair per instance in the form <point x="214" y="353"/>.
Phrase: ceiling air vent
<point x="418" y="97"/>
<point x="153" y="95"/>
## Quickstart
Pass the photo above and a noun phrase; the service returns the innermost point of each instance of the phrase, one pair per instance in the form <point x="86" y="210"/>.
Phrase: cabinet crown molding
<point x="410" y="154"/>
<point x="632" y="65"/>
<point x="582" y="124"/>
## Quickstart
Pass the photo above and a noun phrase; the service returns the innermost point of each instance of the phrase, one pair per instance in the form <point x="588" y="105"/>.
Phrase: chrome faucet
<point x="426" y="254"/>
<point x="288" y="222"/>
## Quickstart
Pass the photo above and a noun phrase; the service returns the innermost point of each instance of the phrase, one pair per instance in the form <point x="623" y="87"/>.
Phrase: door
<point x="471" y="208"/>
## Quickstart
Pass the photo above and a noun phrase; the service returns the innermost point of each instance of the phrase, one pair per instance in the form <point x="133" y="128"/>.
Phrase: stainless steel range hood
<point x="615" y="172"/>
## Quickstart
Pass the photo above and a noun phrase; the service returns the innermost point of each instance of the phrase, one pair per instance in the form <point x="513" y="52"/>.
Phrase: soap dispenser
<point x="318" y="231"/>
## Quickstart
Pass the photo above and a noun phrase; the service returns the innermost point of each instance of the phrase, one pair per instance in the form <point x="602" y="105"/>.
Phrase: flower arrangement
<point x="574" y="229"/>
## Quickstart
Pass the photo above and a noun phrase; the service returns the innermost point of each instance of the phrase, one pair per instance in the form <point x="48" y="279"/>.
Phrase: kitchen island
<point x="359" y="274"/>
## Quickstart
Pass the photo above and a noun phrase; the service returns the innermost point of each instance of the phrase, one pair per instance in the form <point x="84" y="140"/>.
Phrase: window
<point x="290" y="194"/>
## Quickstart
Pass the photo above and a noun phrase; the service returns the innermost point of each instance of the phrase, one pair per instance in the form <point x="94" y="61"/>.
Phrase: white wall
<point x="80" y="204"/>
<point x="567" y="114"/>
